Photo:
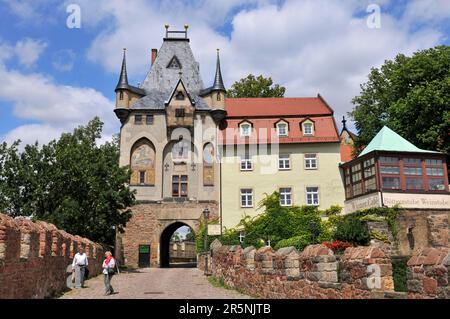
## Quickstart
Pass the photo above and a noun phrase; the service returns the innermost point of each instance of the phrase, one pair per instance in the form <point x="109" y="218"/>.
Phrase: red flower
<point x="337" y="245"/>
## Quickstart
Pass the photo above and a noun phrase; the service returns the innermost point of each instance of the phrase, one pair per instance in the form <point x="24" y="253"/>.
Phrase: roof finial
<point x="344" y="121"/>
<point x="123" y="78"/>
<point x="167" y="29"/>
<point x="218" y="81"/>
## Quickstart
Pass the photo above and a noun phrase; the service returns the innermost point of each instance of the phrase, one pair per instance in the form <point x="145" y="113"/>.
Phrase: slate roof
<point x="155" y="100"/>
<point x="387" y="140"/>
<point x="164" y="79"/>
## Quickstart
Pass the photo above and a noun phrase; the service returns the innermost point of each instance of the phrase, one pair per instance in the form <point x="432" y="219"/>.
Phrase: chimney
<point x="154" y="54"/>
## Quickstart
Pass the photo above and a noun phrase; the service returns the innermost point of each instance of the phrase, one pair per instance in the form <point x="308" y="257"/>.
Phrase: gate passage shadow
<point x="183" y="265"/>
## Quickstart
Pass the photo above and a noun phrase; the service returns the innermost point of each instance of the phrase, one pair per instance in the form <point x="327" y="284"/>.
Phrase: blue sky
<point x="53" y="78"/>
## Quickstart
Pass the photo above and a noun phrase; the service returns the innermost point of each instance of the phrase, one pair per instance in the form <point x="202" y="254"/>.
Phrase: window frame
<point x="284" y="196"/>
<point x="182" y="180"/>
<point x="241" y="131"/>
<point x="304" y="124"/>
<point x="312" y="193"/>
<point x="286" y="159"/>
<point x="305" y="160"/>
<point x="136" y="121"/>
<point x="247" y="159"/>
<point x="247" y="196"/>
<point x="286" y="125"/>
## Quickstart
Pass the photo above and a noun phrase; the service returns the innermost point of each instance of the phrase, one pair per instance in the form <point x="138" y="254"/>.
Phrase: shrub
<point x="353" y="230"/>
<point x="299" y="242"/>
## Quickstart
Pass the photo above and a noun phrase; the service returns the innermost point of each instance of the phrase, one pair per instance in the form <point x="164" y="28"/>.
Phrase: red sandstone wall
<point x="34" y="258"/>
<point x="316" y="273"/>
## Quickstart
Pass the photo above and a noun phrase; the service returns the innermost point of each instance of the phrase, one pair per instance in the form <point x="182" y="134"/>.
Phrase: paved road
<point x="155" y="283"/>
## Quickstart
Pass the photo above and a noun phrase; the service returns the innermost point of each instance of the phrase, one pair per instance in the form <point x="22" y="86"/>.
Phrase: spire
<point x="344" y="121"/>
<point x="123" y="79"/>
<point x="218" y="81"/>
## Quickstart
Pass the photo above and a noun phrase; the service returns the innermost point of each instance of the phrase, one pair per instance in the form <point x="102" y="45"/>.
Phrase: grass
<point x="220" y="283"/>
<point x="399" y="273"/>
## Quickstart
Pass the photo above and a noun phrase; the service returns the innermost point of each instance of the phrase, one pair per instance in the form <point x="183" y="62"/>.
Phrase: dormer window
<point x="245" y="129"/>
<point x="308" y="128"/>
<point x="180" y="96"/>
<point x="174" y="63"/>
<point x="282" y="129"/>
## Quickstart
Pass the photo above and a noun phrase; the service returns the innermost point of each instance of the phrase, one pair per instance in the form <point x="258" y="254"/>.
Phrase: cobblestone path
<point x="155" y="283"/>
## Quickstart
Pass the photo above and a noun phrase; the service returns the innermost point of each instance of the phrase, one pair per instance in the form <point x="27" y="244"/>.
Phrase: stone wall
<point x="421" y="228"/>
<point x="317" y="273"/>
<point x="429" y="274"/>
<point x="34" y="258"/>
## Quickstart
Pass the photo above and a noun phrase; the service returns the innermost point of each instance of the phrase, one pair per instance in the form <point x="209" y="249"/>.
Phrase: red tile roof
<point x="268" y="107"/>
<point x="346" y="152"/>
<point x="264" y="113"/>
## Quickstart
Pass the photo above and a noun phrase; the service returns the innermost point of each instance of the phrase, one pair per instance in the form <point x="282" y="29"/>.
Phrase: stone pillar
<point x="428" y="274"/>
<point x="367" y="268"/>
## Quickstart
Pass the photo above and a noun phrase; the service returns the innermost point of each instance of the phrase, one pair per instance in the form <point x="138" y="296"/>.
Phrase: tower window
<point x="179" y="186"/>
<point x="179" y="96"/>
<point x="142" y="177"/>
<point x="179" y="113"/>
<point x="121" y="95"/>
<point x="218" y="97"/>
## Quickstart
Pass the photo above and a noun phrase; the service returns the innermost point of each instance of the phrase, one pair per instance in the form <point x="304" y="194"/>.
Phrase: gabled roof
<point x="388" y="140"/>
<point x="180" y="81"/>
<point x="276" y="107"/>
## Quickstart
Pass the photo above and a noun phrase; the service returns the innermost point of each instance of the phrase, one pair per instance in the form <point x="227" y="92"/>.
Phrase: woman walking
<point x="109" y="265"/>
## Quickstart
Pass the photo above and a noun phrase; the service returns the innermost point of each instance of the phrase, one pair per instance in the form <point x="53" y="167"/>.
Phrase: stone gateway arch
<point x="169" y="138"/>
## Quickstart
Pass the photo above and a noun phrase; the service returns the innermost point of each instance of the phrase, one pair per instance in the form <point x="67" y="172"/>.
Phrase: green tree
<point x="190" y="236"/>
<point x="176" y="237"/>
<point x="252" y="86"/>
<point x="71" y="182"/>
<point x="410" y="95"/>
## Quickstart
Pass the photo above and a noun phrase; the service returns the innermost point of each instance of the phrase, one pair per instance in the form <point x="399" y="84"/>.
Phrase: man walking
<point x="79" y="264"/>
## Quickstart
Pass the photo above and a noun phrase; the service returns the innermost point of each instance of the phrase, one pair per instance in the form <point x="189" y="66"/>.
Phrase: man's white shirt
<point x="80" y="260"/>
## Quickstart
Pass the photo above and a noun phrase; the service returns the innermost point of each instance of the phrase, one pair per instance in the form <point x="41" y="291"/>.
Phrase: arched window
<point x="121" y="95"/>
<point x="143" y="163"/>
<point x="218" y="97"/>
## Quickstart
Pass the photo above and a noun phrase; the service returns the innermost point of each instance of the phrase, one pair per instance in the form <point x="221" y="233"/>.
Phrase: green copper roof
<point x="388" y="140"/>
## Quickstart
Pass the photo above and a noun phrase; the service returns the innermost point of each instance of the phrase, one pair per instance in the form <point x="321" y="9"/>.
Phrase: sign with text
<point x="213" y="230"/>
<point x="404" y="200"/>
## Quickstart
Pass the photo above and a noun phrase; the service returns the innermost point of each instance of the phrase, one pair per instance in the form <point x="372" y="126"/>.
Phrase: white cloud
<point x="309" y="46"/>
<point x="427" y="11"/>
<point x="56" y="108"/>
<point x="29" y="50"/>
<point x="64" y="60"/>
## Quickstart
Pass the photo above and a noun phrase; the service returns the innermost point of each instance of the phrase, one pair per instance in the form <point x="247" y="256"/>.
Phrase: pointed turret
<point x="218" y="81"/>
<point x="123" y="79"/>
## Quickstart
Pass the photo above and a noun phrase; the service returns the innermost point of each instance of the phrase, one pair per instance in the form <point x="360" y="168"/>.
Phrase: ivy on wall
<point x="300" y="226"/>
